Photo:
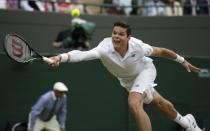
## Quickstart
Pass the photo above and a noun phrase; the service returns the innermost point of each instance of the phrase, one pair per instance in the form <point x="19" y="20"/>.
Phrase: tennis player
<point x="50" y="110"/>
<point x="127" y="58"/>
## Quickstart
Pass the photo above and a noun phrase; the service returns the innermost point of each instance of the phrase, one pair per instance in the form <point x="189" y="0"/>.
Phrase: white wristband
<point x="64" y="57"/>
<point x="179" y="59"/>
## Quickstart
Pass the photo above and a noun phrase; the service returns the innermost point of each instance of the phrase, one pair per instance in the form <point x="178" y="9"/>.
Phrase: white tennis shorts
<point x="142" y="83"/>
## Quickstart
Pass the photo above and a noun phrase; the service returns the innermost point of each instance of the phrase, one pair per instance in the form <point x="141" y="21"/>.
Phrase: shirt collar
<point x="130" y="49"/>
<point x="113" y="50"/>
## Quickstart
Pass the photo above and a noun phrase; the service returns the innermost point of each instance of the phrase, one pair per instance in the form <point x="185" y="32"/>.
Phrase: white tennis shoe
<point x="193" y="124"/>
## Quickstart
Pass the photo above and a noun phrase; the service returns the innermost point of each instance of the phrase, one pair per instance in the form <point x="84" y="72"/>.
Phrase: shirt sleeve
<point x="147" y="49"/>
<point x="143" y="47"/>
<point x="62" y="114"/>
<point x="77" y="55"/>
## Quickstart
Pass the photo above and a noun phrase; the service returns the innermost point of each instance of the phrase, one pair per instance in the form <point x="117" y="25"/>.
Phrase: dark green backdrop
<point x="96" y="102"/>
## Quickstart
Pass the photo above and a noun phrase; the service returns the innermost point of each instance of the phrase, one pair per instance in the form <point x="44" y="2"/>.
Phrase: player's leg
<point x="139" y="94"/>
<point x="166" y="107"/>
<point x="135" y="102"/>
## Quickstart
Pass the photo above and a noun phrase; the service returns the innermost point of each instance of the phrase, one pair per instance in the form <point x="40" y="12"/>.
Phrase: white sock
<point x="182" y="121"/>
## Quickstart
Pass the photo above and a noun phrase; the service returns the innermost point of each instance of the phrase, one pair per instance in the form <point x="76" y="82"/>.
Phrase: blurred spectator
<point x="111" y="9"/>
<point x="154" y="8"/>
<point x="13" y="4"/>
<point x="134" y="10"/>
<point x="49" y="5"/>
<point x="139" y="7"/>
<point x="119" y="7"/>
<point x="3" y="4"/>
<point x="196" y="7"/>
<point x="90" y="6"/>
<point x="65" y="6"/>
<point x="173" y="8"/>
<point x="31" y="5"/>
<point x="124" y="5"/>
<point x="78" y="5"/>
<point x="77" y="36"/>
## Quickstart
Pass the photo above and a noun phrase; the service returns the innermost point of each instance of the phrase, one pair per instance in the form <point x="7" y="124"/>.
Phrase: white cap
<point x="59" y="86"/>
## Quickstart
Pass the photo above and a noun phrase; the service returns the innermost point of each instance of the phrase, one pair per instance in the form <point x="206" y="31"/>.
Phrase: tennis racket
<point x="19" y="50"/>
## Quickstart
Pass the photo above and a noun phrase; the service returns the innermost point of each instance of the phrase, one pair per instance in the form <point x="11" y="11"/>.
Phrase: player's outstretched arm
<point x="75" y="56"/>
<point x="169" y="54"/>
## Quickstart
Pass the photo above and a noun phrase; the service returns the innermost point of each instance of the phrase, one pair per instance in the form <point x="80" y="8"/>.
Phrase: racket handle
<point x="47" y="60"/>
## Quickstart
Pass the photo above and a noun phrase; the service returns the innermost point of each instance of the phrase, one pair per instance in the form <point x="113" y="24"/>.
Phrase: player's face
<point x="119" y="37"/>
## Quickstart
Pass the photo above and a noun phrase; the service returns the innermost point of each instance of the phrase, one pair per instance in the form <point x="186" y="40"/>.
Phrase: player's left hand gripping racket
<point x="19" y="50"/>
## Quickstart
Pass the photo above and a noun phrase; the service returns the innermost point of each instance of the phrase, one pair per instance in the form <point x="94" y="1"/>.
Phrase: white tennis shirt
<point x="124" y="68"/>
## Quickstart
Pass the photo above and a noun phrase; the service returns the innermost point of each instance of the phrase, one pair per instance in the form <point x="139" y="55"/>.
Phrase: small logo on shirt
<point x="137" y="85"/>
<point x="133" y="55"/>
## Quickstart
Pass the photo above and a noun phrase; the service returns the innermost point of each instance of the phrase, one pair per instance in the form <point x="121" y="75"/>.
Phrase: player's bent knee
<point x="135" y="101"/>
<point x="135" y="105"/>
<point x="156" y="102"/>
